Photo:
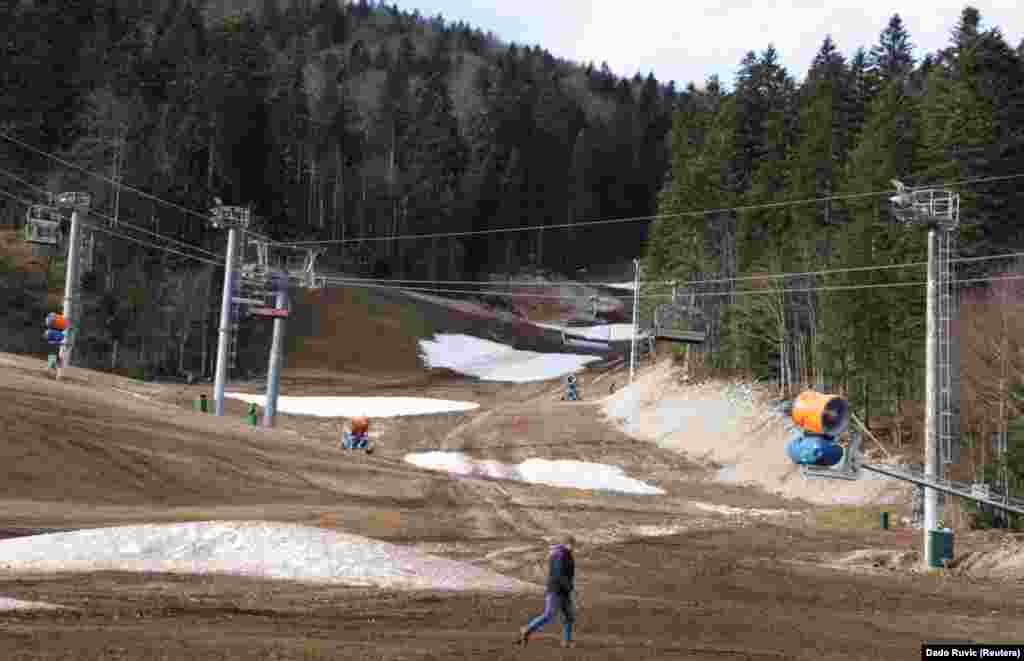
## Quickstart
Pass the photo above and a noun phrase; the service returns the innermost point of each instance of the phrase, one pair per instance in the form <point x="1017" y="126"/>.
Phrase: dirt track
<point x="81" y="453"/>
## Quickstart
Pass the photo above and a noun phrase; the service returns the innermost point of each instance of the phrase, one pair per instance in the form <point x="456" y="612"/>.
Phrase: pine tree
<point x="892" y="57"/>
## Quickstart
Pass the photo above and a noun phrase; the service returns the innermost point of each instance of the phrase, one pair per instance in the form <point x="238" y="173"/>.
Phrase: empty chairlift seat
<point x="679" y="323"/>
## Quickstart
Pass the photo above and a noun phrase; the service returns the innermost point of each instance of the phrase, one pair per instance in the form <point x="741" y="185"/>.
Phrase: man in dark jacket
<point x="559" y="593"/>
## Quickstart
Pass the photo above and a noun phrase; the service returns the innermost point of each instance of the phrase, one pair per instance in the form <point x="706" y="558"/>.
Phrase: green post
<point x="885" y="521"/>
<point x="936" y="549"/>
<point x="51" y="361"/>
<point x="203" y="403"/>
<point x="252" y="414"/>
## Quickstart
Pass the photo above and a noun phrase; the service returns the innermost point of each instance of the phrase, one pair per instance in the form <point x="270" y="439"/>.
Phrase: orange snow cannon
<point x="819" y="413"/>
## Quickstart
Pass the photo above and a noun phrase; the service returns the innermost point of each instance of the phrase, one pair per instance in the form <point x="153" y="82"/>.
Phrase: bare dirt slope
<point x="99" y="450"/>
<point x="732" y="427"/>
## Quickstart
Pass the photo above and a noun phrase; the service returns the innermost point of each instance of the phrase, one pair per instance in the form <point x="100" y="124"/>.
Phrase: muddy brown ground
<point x="99" y="450"/>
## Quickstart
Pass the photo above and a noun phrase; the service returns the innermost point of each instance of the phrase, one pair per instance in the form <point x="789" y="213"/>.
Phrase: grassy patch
<point x="853" y="517"/>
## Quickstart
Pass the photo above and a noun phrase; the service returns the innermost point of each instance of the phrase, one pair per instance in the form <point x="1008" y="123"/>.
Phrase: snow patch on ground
<point x="8" y="604"/>
<point x="492" y="361"/>
<point x="621" y="285"/>
<point x="250" y="548"/>
<point x="743" y="511"/>
<point x="560" y="473"/>
<point x="346" y="407"/>
<point x="602" y="332"/>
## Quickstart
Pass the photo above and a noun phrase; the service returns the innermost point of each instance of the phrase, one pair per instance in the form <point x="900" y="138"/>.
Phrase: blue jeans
<point x="555" y="602"/>
<point x="355" y="441"/>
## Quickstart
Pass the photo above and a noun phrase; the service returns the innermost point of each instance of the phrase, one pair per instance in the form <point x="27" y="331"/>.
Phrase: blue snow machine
<point x="822" y="418"/>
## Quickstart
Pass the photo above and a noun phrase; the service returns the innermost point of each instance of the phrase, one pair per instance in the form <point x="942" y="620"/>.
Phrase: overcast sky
<point x="688" y="40"/>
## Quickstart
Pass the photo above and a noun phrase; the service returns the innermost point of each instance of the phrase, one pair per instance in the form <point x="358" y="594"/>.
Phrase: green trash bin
<point x="884" y="521"/>
<point x="936" y="548"/>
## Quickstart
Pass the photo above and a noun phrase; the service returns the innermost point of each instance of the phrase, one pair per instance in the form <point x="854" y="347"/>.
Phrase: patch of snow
<point x="603" y="332"/>
<point x="492" y="361"/>
<point x="559" y="473"/>
<point x="621" y="285"/>
<point x="345" y="407"/>
<point x="250" y="548"/>
<point x="742" y="511"/>
<point x="8" y="604"/>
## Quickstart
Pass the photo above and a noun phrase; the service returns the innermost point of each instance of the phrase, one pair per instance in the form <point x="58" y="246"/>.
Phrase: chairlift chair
<point x="584" y="342"/>
<point x="674" y="323"/>
<point x="44" y="231"/>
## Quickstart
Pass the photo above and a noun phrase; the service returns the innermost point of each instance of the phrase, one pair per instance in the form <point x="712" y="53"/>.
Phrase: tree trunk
<point x="540" y="247"/>
<point x="452" y="259"/>
<point x="182" y="345"/>
<point x="113" y="355"/>
<point x="392" y="249"/>
<point x="212" y="146"/>
<point x="434" y="258"/>
<point x="339" y="200"/>
<point x="206" y="325"/>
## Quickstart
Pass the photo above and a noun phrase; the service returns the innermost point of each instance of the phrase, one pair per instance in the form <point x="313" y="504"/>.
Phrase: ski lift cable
<point x="680" y="283"/>
<point x="750" y="207"/>
<point x="150" y="196"/>
<point x="100" y="228"/>
<point x="10" y="174"/>
<point x="347" y="282"/>
<point x="184" y="244"/>
<point x="695" y="213"/>
<point x="17" y="198"/>
<point x="58" y="159"/>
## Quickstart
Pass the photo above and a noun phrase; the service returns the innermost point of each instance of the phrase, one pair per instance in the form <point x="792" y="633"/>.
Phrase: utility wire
<point x="586" y="223"/>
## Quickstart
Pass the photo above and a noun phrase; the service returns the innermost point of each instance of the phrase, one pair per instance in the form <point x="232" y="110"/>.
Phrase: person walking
<point x="559" y="594"/>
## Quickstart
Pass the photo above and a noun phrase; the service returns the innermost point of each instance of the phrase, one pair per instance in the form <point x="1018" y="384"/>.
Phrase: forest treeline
<point x="338" y="121"/>
<point x="850" y="126"/>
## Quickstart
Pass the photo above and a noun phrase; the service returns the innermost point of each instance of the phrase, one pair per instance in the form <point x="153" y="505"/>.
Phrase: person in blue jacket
<point x="560" y="592"/>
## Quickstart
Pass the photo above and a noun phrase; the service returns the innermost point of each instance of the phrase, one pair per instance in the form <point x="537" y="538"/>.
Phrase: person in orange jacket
<point x="359" y="437"/>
